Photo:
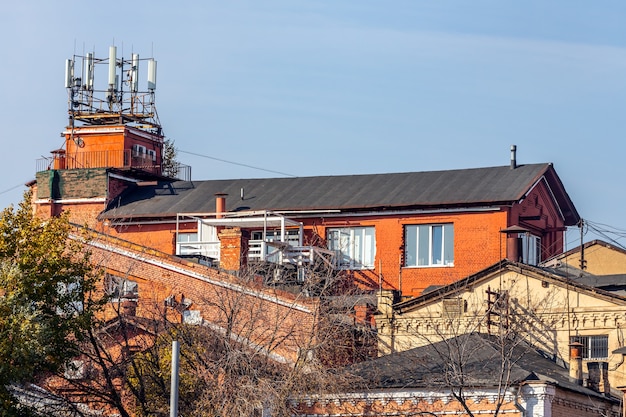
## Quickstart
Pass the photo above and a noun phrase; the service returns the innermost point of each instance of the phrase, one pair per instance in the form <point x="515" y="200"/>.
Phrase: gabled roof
<point x="426" y="366"/>
<point x="493" y="271"/>
<point x="591" y="243"/>
<point x="461" y="188"/>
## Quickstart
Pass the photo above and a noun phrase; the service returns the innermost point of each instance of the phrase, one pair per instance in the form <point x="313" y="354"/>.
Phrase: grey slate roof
<point x="425" y="366"/>
<point x="435" y="189"/>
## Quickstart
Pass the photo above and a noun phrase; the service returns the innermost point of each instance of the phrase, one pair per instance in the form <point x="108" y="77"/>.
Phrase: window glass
<point x="531" y="248"/>
<point x="448" y="244"/>
<point x="437" y="245"/>
<point x="410" y="243"/>
<point x="355" y="246"/>
<point x="429" y="245"/>
<point x="187" y="237"/>
<point x="594" y="347"/>
<point x="423" y="249"/>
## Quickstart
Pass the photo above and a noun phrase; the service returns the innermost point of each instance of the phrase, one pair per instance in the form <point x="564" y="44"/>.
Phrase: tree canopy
<point x="46" y="281"/>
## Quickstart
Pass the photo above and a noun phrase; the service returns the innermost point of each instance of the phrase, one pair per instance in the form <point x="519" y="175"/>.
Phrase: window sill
<point x="428" y="266"/>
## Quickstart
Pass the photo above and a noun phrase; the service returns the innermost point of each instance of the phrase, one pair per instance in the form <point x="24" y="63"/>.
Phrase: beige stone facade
<point x="547" y="310"/>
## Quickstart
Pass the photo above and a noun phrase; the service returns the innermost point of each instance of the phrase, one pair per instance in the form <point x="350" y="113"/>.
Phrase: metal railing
<point x="208" y="249"/>
<point x="124" y="159"/>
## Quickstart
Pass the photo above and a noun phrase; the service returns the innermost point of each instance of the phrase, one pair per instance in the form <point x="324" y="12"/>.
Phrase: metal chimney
<point x="220" y="205"/>
<point x="513" y="157"/>
<point x="576" y="363"/>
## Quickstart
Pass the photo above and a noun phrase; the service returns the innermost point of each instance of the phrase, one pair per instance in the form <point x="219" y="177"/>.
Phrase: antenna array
<point x="120" y="101"/>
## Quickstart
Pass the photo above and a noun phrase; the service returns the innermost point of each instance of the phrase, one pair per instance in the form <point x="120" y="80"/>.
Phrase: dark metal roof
<point x="550" y="274"/>
<point x="427" y="366"/>
<point x="435" y="189"/>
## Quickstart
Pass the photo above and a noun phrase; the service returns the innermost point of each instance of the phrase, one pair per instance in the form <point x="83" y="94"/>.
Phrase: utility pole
<point x="583" y="261"/>
<point x="174" y="386"/>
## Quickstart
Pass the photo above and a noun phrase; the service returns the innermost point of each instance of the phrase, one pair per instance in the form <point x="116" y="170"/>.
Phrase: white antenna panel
<point x="134" y="82"/>
<point x="69" y="72"/>
<point x="112" y="62"/>
<point x="152" y="69"/>
<point x="89" y="71"/>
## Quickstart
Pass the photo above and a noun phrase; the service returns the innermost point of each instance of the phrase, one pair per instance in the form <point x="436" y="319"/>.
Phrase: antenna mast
<point x="93" y="104"/>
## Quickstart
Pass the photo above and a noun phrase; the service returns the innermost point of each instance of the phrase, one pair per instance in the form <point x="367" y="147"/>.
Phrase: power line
<point x="604" y="231"/>
<point x="11" y="189"/>
<point x="235" y="163"/>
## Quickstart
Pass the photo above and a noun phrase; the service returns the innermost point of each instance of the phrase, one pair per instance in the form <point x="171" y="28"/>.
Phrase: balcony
<point x="125" y="159"/>
<point x="281" y="248"/>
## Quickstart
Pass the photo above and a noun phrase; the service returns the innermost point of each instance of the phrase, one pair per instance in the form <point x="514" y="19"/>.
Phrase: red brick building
<point x="401" y="231"/>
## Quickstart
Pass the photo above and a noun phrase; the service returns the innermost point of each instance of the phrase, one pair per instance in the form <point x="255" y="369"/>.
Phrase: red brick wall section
<point x="478" y="244"/>
<point x="279" y="322"/>
<point x="413" y="406"/>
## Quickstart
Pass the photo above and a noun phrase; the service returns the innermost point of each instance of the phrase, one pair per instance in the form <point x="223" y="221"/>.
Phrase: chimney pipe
<point x="513" y="157"/>
<point x="576" y="362"/>
<point x="220" y="205"/>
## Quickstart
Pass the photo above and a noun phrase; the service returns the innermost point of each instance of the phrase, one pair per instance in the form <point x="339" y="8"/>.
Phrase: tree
<point x="247" y="348"/>
<point x="170" y="166"/>
<point x="46" y="282"/>
<point x="235" y="359"/>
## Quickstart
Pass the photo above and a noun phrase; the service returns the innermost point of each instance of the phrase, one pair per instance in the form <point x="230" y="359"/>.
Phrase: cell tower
<point x="120" y="101"/>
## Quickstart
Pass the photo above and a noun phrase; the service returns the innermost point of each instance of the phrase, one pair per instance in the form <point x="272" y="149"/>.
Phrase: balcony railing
<point x="124" y="159"/>
<point x="208" y="249"/>
<point x="268" y="251"/>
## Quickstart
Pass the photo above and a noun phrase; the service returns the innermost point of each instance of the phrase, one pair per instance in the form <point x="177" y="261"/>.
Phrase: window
<point x="429" y="245"/>
<point x="355" y="246"/>
<point x="530" y="248"/>
<point x="121" y="289"/>
<point x="187" y="238"/>
<point x="594" y="347"/>
<point x="139" y="150"/>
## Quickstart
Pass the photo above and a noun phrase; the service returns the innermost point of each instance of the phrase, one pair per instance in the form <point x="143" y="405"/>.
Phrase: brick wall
<point x="277" y="321"/>
<point x="478" y="244"/>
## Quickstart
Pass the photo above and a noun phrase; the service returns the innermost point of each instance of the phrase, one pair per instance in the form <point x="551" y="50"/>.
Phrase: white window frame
<point x="421" y="248"/>
<point x="355" y="246"/>
<point x="531" y="248"/>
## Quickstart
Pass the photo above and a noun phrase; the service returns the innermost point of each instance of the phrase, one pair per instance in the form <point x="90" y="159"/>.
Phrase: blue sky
<point x="344" y="87"/>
